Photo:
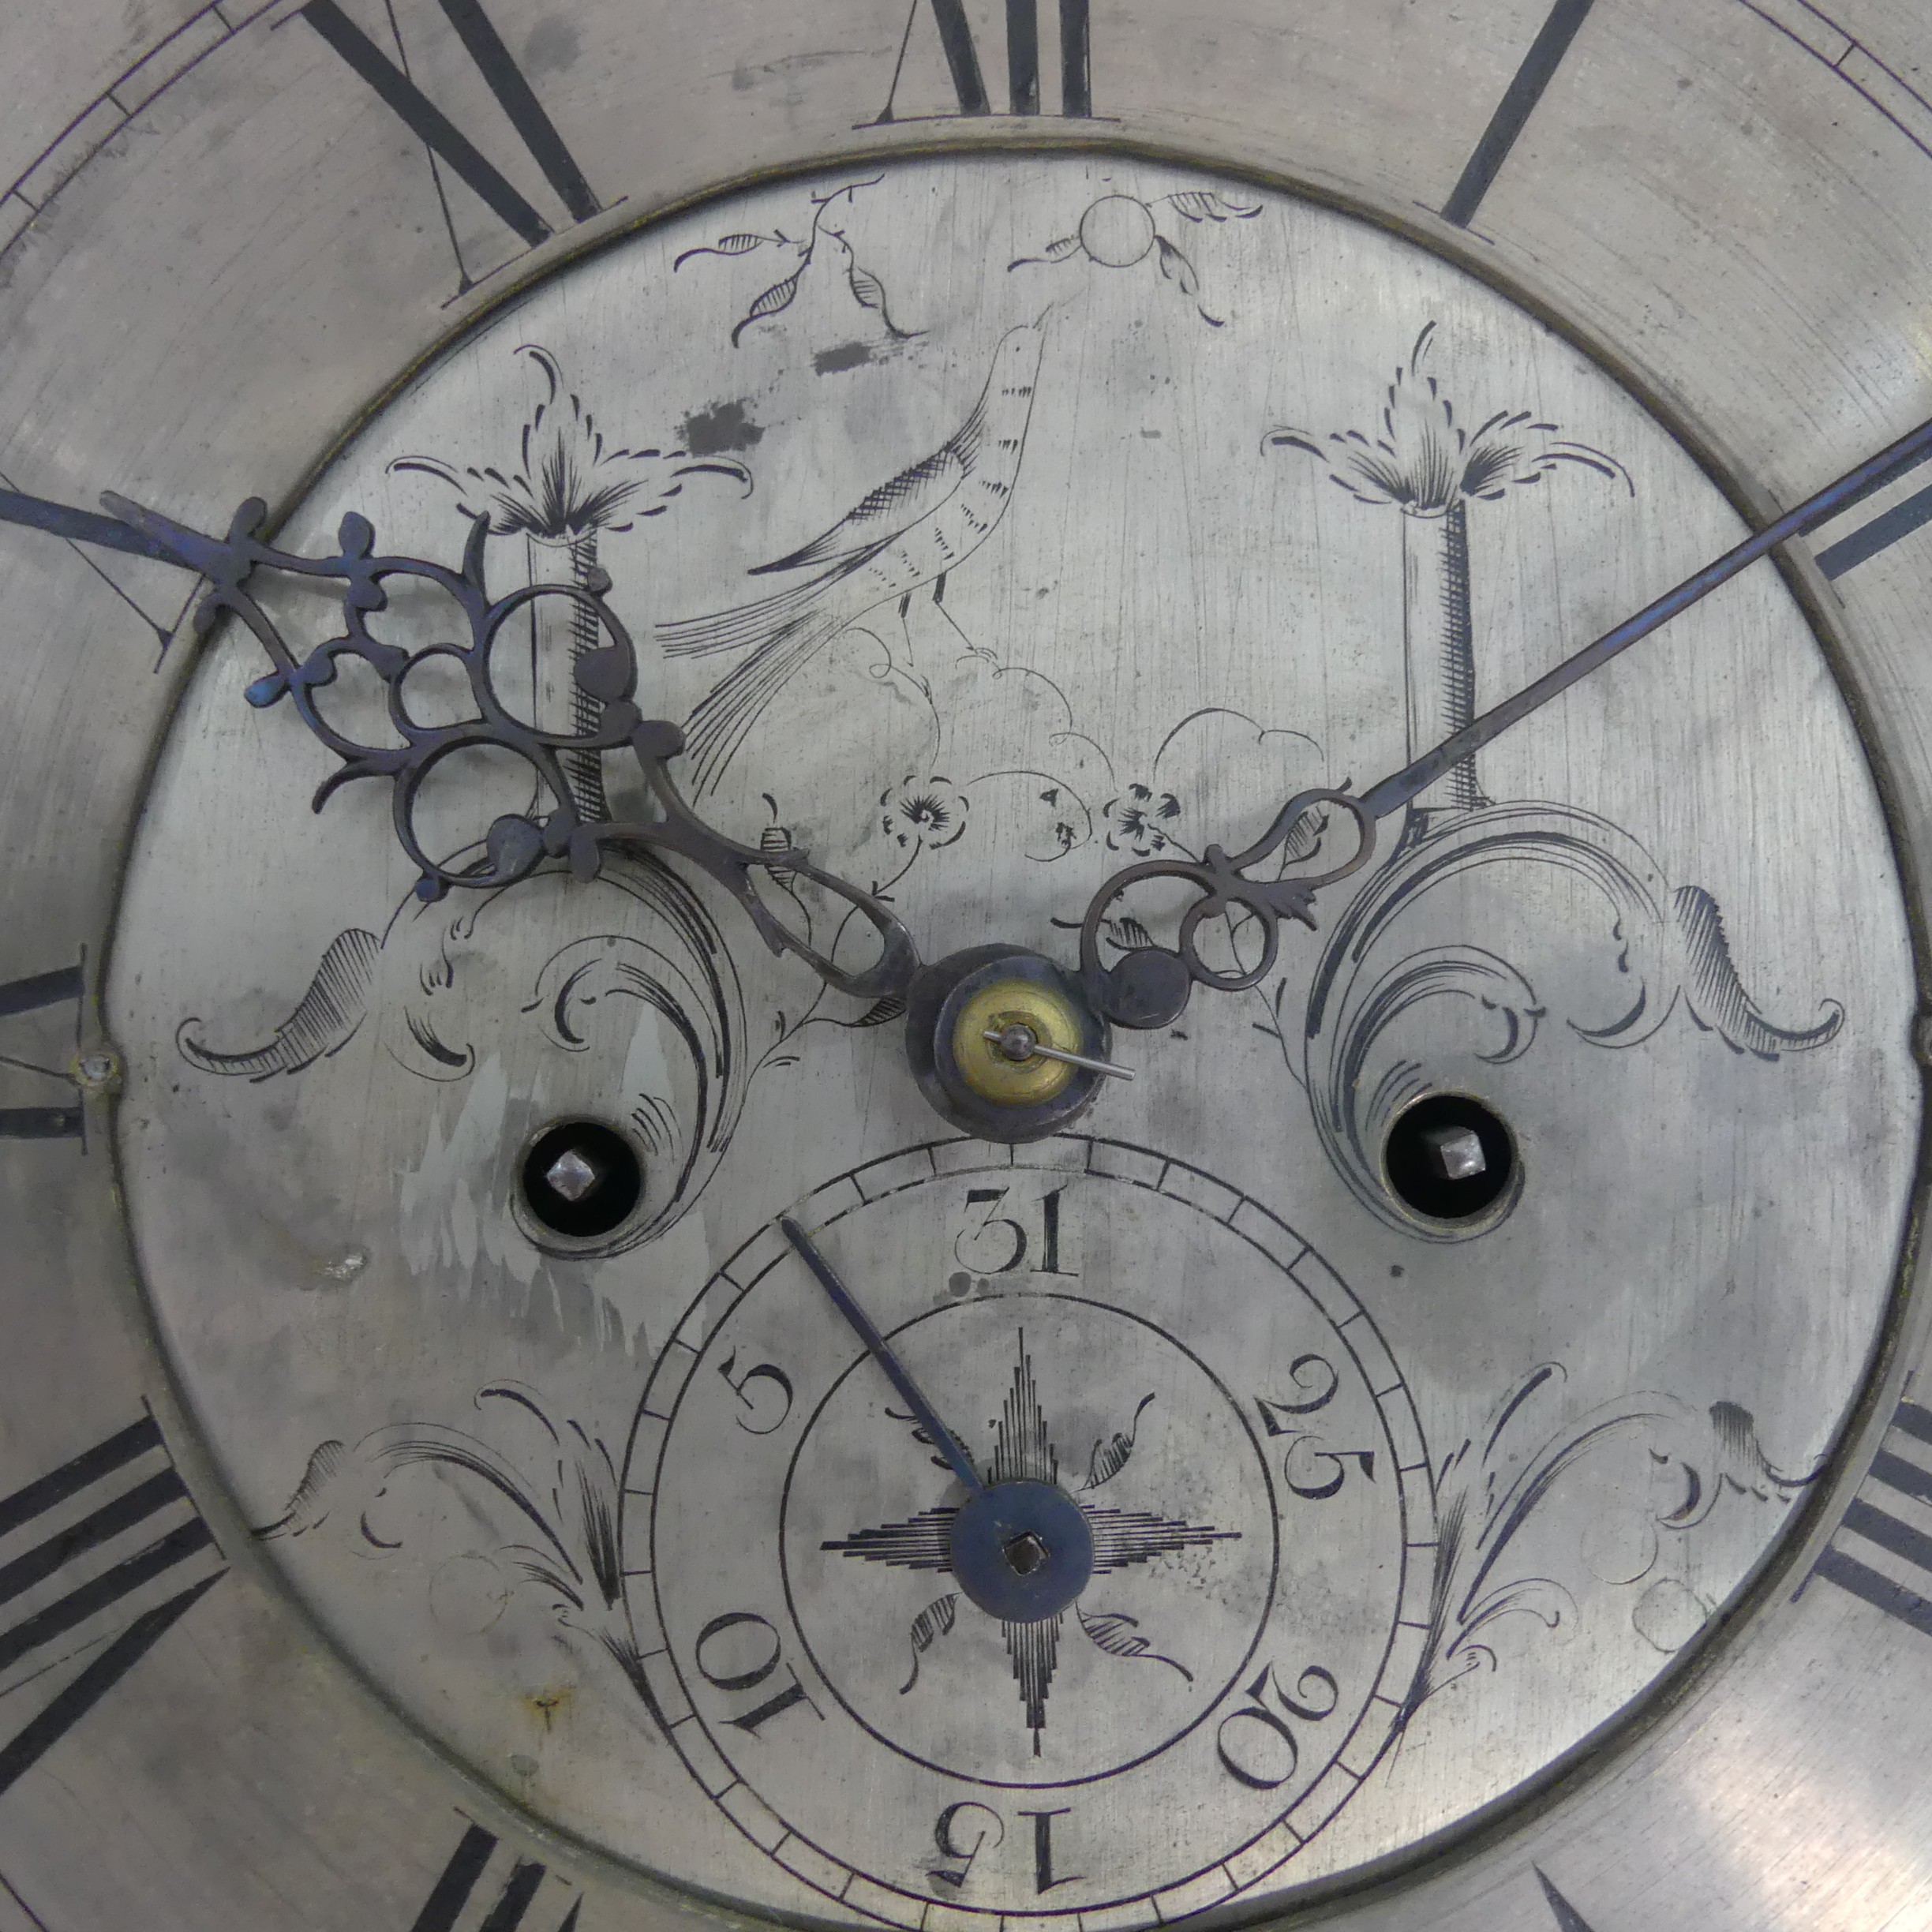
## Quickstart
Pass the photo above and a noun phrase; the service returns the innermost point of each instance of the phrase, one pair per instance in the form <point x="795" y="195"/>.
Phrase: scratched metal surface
<point x="1727" y="207"/>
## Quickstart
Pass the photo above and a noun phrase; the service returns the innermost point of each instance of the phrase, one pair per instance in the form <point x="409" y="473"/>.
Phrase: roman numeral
<point x="1518" y="103"/>
<point x="454" y="1890"/>
<point x="967" y="77"/>
<point x="1880" y="533"/>
<point x="446" y="142"/>
<point x="1898" y="1483"/>
<point x="44" y="993"/>
<point x="97" y="1559"/>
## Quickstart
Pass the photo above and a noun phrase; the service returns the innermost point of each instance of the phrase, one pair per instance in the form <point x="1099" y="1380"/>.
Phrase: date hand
<point x="941" y="1437"/>
<point x="515" y="845"/>
<point x="1149" y="987"/>
<point x="1022" y="1550"/>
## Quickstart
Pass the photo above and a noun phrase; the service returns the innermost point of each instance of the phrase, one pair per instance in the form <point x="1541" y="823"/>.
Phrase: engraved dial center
<point x="1120" y="1481"/>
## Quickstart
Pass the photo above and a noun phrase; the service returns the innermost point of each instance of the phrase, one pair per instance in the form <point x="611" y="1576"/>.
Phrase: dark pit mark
<point x="723" y="426"/>
<point x="551" y="48"/>
<point x="847" y="355"/>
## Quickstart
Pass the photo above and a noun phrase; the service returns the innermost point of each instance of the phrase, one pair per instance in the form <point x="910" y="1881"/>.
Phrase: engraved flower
<point x="932" y="813"/>
<point x="1426" y="463"/>
<point x="1135" y="819"/>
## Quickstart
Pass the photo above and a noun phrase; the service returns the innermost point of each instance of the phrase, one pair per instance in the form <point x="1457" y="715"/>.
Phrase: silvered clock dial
<point x="989" y="524"/>
<point x="1016" y="1024"/>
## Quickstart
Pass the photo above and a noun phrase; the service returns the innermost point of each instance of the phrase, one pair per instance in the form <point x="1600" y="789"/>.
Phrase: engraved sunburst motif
<point x="1024" y="1452"/>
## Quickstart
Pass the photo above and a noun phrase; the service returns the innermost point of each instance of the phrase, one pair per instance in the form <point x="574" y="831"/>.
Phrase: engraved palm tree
<point x="1359" y="1065"/>
<point x="567" y="487"/>
<point x="1432" y="469"/>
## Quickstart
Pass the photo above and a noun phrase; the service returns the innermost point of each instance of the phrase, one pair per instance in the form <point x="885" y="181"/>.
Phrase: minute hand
<point x="1149" y="987"/>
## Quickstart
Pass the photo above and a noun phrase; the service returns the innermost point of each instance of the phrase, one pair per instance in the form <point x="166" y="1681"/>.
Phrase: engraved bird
<point x="907" y="533"/>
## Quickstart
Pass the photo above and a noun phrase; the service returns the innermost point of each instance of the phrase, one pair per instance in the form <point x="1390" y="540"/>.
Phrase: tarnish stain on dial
<point x="544" y="1705"/>
<point x="723" y="426"/>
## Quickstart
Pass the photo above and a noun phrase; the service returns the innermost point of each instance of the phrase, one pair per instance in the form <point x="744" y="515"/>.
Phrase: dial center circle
<point x="1009" y="1007"/>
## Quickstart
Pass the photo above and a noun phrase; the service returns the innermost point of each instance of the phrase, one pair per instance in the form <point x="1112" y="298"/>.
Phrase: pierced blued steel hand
<point x="515" y="844"/>
<point x="1149" y="987"/>
<point x="936" y="1431"/>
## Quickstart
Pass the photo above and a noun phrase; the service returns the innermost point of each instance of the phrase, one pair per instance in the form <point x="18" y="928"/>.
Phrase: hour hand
<point x="513" y="845"/>
<point x="89" y="527"/>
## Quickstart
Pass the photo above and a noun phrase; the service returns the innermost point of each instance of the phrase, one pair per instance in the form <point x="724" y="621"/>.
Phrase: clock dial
<point x="333" y="1457"/>
<point x="986" y="524"/>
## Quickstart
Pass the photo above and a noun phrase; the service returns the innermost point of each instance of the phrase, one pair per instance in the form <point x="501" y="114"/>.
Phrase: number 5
<point x="1318" y="1488"/>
